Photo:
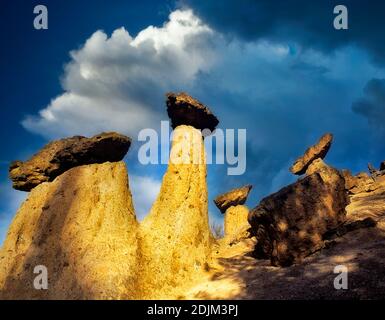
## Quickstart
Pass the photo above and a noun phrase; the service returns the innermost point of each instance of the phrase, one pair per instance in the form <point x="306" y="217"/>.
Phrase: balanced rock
<point x="82" y="228"/>
<point x="185" y="110"/>
<point x="319" y="150"/>
<point x="60" y="155"/>
<point x="290" y="224"/>
<point x="232" y="198"/>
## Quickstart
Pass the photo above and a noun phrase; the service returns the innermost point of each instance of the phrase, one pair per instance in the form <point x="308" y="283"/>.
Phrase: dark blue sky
<point x="32" y="60"/>
<point x="276" y="68"/>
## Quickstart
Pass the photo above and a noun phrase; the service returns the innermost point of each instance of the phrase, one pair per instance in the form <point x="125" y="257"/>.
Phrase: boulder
<point x="289" y="224"/>
<point x="382" y="165"/>
<point x="232" y="198"/>
<point x="60" y="155"/>
<point x="319" y="150"/>
<point x="82" y="228"/>
<point x="185" y="110"/>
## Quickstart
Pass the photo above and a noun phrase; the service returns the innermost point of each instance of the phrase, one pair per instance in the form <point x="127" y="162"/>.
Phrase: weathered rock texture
<point x="185" y="110"/>
<point x="82" y="227"/>
<point x="236" y="225"/>
<point x="290" y="224"/>
<point x="236" y="219"/>
<point x="61" y="155"/>
<point x="362" y="182"/>
<point x="319" y="150"/>
<point x="175" y="234"/>
<point x="232" y="198"/>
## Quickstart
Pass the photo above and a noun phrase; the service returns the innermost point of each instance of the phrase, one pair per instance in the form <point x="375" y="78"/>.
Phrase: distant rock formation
<point x="82" y="228"/>
<point x="290" y="224"/>
<point x="61" y="155"/>
<point x="236" y="226"/>
<point x="185" y="110"/>
<point x="364" y="182"/>
<point x="319" y="150"/>
<point x="232" y="198"/>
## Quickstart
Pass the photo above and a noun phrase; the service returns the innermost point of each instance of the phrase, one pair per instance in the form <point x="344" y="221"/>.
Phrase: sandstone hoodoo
<point x="232" y="198"/>
<point x="231" y="203"/>
<point x="185" y="110"/>
<point x="176" y="234"/>
<point x="79" y="221"/>
<point x="61" y="155"/>
<point x="82" y="228"/>
<point x="319" y="150"/>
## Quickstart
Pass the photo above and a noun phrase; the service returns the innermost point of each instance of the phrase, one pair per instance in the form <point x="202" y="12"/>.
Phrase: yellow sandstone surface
<point x="175" y="235"/>
<point x="236" y="219"/>
<point x="82" y="227"/>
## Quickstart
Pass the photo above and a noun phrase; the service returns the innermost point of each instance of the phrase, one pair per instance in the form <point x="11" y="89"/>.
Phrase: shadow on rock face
<point x="74" y="228"/>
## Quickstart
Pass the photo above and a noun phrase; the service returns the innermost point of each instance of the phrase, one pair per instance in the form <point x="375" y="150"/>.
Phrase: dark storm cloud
<point x="309" y="23"/>
<point x="372" y="105"/>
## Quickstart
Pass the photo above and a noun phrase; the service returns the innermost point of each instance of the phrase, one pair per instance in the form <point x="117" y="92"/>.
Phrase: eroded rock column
<point x="82" y="228"/>
<point x="175" y="236"/>
<point x="231" y="204"/>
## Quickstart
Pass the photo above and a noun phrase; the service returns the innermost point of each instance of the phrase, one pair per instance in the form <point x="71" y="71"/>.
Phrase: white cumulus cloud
<point x="118" y="82"/>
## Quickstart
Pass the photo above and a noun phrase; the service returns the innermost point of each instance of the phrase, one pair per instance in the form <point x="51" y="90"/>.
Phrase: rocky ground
<point x="239" y="276"/>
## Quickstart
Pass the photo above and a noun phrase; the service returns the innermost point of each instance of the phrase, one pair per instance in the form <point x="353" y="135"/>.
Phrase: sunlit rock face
<point x="234" y="197"/>
<point x="175" y="238"/>
<point x="236" y="226"/>
<point x="83" y="229"/>
<point x="236" y="219"/>
<point x="290" y="224"/>
<point x="80" y="223"/>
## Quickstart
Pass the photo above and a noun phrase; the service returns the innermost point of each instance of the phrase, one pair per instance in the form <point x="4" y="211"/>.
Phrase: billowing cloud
<point x="118" y="82"/>
<point x="286" y="97"/>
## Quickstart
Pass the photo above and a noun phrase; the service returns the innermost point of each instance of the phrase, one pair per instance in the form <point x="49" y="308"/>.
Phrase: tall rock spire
<point x="176" y="236"/>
